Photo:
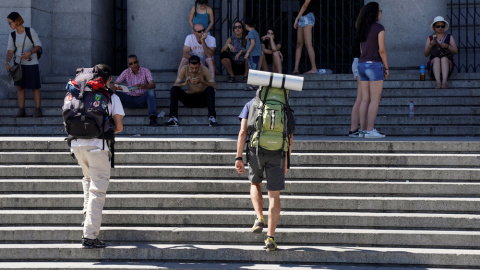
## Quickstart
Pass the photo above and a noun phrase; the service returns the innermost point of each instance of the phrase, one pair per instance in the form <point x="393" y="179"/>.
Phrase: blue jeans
<point x="148" y="99"/>
<point x="370" y="71"/>
<point x="253" y="62"/>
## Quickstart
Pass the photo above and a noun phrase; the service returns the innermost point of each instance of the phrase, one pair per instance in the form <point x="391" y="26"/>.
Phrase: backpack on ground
<point x="270" y="121"/>
<point x="29" y="35"/>
<point x="85" y="109"/>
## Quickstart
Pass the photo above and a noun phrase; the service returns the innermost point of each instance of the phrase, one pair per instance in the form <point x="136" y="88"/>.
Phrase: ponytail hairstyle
<point x="368" y="16"/>
<point x="199" y="2"/>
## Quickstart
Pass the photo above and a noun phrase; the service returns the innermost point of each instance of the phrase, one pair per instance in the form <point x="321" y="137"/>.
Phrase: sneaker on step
<point x="361" y="134"/>
<point x="270" y="243"/>
<point x="258" y="225"/>
<point x="354" y="134"/>
<point x="212" y="121"/>
<point x="172" y="122"/>
<point x="373" y="134"/>
<point x="92" y="243"/>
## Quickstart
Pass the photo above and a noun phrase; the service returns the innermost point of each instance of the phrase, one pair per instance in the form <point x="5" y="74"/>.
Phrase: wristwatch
<point x="238" y="158"/>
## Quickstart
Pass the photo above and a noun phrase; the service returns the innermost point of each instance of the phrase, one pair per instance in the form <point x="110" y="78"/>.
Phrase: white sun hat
<point x="439" y="19"/>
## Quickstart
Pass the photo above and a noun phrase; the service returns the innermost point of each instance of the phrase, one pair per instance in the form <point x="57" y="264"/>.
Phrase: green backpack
<point x="270" y="120"/>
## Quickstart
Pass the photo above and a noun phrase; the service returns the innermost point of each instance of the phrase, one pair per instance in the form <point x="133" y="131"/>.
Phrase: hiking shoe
<point x="20" y="113"/>
<point x="37" y="112"/>
<point x="258" y="225"/>
<point x="270" y="243"/>
<point x="354" y="134"/>
<point x="212" y="121"/>
<point x="373" y="134"/>
<point x="92" y="243"/>
<point x="172" y="122"/>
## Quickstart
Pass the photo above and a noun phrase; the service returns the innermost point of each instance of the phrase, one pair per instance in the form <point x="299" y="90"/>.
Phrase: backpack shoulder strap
<point x="14" y="37"/>
<point x="29" y="35"/>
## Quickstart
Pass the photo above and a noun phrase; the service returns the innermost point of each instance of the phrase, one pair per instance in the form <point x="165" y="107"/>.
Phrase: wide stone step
<point x="314" y="144"/>
<point x="55" y="92"/>
<point x="310" y="111"/>
<point x="251" y="253"/>
<point x="232" y="218"/>
<point x="243" y="235"/>
<point x="208" y="186"/>
<point x="225" y="158"/>
<point x="203" y="129"/>
<point x="228" y="172"/>
<point x="148" y="265"/>
<point x="233" y="120"/>
<point x="232" y="201"/>
<point x="301" y="101"/>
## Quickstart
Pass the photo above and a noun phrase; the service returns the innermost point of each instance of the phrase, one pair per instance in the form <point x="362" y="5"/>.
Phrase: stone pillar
<point x="407" y="26"/>
<point x="157" y="30"/>
<point x="82" y="34"/>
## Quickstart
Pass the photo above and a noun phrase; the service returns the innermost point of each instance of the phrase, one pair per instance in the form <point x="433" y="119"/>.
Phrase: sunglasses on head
<point x="200" y="31"/>
<point x="237" y="27"/>
<point x="440" y="26"/>
<point x="132" y="63"/>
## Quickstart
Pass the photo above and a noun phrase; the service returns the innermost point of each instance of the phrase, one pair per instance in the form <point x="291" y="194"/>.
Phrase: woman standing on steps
<point x="24" y="51"/>
<point x="304" y="24"/>
<point x="371" y="71"/>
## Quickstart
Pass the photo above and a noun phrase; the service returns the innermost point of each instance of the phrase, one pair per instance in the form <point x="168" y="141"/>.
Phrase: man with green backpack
<point x="268" y="122"/>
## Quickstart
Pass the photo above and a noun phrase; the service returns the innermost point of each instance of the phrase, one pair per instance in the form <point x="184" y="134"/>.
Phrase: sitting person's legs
<point x="211" y="67"/>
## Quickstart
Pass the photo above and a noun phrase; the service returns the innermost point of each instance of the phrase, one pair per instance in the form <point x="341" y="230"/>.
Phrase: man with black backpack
<point x="92" y="114"/>
<point x="268" y="153"/>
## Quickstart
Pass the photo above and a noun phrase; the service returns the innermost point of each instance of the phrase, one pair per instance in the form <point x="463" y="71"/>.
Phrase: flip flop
<point x="310" y="72"/>
<point x="231" y="79"/>
<point x="295" y="73"/>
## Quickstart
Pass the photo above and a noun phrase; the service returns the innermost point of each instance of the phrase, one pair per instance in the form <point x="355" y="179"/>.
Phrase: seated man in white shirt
<point x="202" y="45"/>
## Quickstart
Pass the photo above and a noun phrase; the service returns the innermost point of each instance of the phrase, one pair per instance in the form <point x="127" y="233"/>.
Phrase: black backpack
<point x="29" y="35"/>
<point x="85" y="109"/>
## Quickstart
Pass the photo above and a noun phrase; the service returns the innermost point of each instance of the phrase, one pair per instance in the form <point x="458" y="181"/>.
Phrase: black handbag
<point x="16" y="72"/>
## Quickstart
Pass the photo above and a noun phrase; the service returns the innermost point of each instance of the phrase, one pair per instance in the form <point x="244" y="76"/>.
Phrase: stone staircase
<point x="178" y="203"/>
<point x="175" y="201"/>
<point x="323" y="108"/>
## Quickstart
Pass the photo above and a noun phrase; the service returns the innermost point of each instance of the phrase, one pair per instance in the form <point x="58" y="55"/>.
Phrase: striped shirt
<point x="142" y="77"/>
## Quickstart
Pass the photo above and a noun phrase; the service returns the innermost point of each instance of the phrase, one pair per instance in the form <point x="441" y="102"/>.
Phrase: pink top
<point x="142" y="77"/>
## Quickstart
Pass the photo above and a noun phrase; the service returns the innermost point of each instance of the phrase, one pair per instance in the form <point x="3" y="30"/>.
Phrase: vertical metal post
<point x="289" y="35"/>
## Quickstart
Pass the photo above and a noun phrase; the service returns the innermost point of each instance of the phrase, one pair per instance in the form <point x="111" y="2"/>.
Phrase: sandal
<point x="444" y="85"/>
<point x="295" y="73"/>
<point x="251" y="88"/>
<point x="438" y="85"/>
<point x="245" y="79"/>
<point x="231" y="79"/>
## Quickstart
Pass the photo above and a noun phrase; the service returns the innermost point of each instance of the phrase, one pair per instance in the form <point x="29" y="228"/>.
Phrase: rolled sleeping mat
<point x="277" y="80"/>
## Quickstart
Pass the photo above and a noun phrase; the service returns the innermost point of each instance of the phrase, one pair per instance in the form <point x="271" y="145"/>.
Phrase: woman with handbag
<point x="24" y="53"/>
<point x="440" y="47"/>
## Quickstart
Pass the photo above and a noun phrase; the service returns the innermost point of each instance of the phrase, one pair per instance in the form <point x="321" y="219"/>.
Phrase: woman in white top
<point x="25" y="51"/>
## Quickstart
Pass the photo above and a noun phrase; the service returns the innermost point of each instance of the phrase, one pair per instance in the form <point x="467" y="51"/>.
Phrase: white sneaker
<point x="373" y="134"/>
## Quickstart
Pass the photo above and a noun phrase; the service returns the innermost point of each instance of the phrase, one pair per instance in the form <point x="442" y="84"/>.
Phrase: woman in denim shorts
<point x="304" y="25"/>
<point x="372" y="66"/>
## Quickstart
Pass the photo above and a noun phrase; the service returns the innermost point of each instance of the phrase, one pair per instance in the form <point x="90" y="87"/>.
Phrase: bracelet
<point x="238" y="158"/>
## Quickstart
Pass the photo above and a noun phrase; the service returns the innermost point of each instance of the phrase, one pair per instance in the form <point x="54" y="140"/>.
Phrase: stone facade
<point x="79" y="32"/>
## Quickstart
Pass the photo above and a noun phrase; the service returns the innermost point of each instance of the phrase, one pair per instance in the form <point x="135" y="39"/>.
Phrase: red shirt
<point x="142" y="77"/>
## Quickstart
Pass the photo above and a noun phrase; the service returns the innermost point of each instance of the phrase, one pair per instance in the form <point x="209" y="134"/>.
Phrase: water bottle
<point x="411" y="109"/>
<point x="324" y="71"/>
<point x="422" y="73"/>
